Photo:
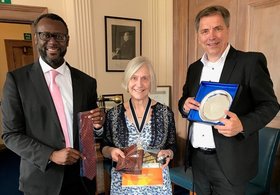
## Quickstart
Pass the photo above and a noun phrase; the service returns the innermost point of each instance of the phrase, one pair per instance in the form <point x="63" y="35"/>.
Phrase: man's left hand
<point x="98" y="117"/>
<point x="232" y="125"/>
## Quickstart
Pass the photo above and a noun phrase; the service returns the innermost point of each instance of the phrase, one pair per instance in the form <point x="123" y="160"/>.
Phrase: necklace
<point x="144" y="116"/>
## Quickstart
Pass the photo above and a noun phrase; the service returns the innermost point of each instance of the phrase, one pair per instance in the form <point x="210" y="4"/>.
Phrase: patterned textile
<point x="163" y="131"/>
<point x="158" y="133"/>
<point x="87" y="145"/>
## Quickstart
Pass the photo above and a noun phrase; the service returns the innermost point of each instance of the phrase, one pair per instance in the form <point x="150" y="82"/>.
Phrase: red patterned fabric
<point x="87" y="146"/>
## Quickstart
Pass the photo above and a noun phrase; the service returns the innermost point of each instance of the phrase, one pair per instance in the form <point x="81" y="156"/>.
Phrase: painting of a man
<point x="126" y="47"/>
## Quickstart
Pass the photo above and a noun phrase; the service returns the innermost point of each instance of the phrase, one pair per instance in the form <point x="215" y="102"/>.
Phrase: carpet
<point x="9" y="173"/>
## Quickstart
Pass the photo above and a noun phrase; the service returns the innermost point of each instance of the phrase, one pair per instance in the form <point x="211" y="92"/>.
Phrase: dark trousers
<point x="80" y="186"/>
<point x="208" y="177"/>
<point x="73" y="184"/>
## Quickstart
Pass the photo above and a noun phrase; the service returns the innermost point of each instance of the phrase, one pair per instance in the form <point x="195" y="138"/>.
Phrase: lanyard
<point x="144" y="117"/>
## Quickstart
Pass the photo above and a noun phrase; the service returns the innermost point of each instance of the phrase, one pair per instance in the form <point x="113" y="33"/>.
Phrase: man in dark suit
<point x="31" y="124"/>
<point x="127" y="49"/>
<point x="225" y="157"/>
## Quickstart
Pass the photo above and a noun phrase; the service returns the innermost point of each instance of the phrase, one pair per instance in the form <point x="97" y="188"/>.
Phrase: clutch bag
<point x="132" y="163"/>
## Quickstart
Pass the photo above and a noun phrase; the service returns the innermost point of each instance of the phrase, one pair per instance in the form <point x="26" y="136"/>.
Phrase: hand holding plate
<point x="232" y="126"/>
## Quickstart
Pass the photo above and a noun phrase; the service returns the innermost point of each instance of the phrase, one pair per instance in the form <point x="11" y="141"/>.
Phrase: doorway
<point x="19" y="53"/>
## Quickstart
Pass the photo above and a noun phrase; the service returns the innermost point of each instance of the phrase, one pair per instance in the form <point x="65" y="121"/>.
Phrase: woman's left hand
<point x="168" y="154"/>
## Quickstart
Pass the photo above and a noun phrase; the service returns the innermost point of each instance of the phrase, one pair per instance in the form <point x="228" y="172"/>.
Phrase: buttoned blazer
<point x="31" y="121"/>
<point x="256" y="105"/>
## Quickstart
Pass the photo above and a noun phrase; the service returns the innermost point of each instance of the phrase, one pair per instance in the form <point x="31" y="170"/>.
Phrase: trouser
<point x="209" y="178"/>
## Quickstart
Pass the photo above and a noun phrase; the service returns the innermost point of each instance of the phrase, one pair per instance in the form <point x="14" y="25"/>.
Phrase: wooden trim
<point x="180" y="40"/>
<point x="21" y="14"/>
<point x="12" y="58"/>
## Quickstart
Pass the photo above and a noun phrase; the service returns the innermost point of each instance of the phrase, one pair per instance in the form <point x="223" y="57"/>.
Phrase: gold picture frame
<point x="111" y="100"/>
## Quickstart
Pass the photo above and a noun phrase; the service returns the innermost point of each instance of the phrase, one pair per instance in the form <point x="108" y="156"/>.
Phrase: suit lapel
<point x="228" y="66"/>
<point x="77" y="99"/>
<point x="196" y="77"/>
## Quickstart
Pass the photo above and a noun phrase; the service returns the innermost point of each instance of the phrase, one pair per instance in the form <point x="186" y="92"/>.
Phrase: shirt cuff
<point x="98" y="131"/>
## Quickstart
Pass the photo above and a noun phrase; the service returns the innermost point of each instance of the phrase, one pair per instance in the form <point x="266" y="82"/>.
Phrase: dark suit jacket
<point x="31" y="127"/>
<point x="127" y="50"/>
<point x="256" y="106"/>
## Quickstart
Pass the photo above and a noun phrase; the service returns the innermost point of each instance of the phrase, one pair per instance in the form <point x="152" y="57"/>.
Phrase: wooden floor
<point x="9" y="172"/>
<point x="100" y="178"/>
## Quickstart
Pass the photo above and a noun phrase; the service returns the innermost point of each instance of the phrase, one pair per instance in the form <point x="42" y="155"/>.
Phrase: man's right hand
<point x="191" y="103"/>
<point x="66" y="156"/>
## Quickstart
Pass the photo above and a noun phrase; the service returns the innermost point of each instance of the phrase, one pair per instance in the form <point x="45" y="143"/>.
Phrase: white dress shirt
<point x="64" y="81"/>
<point x="201" y="134"/>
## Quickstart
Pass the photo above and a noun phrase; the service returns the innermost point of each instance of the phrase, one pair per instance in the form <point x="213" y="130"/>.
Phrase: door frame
<point x="10" y="44"/>
<point x="22" y="14"/>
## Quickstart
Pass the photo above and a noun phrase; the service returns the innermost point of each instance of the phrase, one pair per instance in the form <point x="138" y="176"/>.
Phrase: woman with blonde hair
<point x="141" y="121"/>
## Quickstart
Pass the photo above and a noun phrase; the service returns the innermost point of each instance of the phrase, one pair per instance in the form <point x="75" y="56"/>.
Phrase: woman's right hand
<point x="115" y="153"/>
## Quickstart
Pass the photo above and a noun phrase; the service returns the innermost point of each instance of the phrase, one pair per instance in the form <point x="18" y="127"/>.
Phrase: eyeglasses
<point x="46" y="36"/>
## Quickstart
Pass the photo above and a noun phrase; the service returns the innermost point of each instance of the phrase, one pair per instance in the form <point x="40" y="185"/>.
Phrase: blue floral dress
<point x="158" y="133"/>
<point x="145" y="139"/>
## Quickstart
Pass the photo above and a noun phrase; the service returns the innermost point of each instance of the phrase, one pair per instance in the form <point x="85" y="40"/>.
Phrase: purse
<point x="132" y="163"/>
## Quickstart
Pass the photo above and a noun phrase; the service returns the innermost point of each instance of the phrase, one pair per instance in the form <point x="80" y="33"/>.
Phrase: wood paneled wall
<point x="251" y="29"/>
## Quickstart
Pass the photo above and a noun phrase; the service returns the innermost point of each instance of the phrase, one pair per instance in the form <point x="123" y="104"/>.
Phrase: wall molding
<point x="160" y="24"/>
<point x="79" y="16"/>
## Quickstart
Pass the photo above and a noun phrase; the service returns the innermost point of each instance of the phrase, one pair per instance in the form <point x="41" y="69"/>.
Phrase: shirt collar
<point x="46" y="68"/>
<point x="204" y="58"/>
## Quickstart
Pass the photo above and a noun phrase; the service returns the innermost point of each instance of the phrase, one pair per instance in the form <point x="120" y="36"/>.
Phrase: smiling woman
<point x="144" y="123"/>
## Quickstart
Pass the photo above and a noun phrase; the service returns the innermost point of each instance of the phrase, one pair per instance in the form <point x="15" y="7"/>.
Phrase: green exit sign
<point x="27" y="36"/>
<point x="5" y="1"/>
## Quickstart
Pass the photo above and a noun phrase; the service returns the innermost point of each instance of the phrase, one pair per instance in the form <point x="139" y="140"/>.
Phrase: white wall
<point x="53" y="5"/>
<point x="157" y="35"/>
<point x="156" y="16"/>
<point x="109" y="82"/>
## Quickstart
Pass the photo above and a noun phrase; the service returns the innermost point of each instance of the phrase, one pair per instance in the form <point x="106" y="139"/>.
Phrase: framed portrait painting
<point x="123" y="41"/>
